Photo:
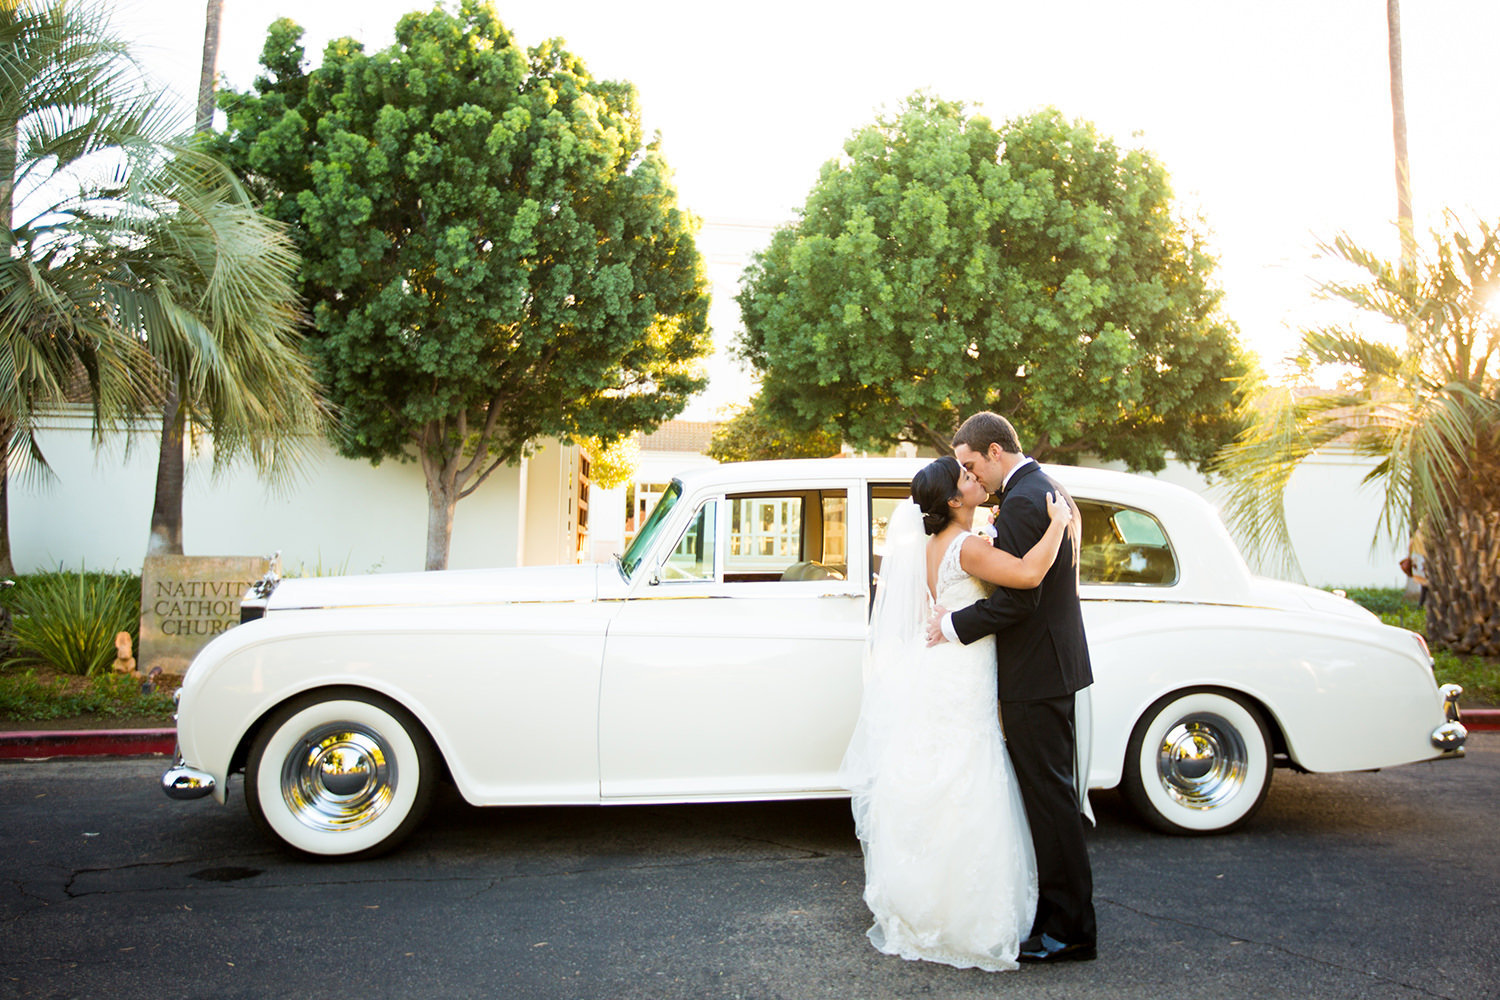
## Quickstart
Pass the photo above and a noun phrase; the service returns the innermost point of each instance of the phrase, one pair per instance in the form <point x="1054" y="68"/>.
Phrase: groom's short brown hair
<point x="984" y="429"/>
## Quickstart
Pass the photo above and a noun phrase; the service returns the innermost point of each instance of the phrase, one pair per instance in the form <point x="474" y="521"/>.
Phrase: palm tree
<point x="1398" y="133"/>
<point x="133" y="261"/>
<point x="1429" y="411"/>
<point x="69" y="108"/>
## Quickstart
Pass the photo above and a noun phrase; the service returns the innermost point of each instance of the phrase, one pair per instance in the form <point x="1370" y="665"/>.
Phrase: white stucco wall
<point x="1331" y="516"/>
<point x="343" y="515"/>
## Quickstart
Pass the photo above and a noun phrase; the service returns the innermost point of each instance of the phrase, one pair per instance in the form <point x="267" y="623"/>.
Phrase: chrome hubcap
<point x="339" y="777"/>
<point x="1202" y="762"/>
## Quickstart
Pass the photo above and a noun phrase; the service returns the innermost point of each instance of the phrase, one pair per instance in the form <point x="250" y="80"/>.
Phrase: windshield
<point x="646" y="537"/>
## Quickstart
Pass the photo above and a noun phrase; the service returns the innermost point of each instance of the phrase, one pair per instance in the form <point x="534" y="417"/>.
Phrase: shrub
<point x="1381" y="600"/>
<point x="25" y="697"/>
<point x="69" y="620"/>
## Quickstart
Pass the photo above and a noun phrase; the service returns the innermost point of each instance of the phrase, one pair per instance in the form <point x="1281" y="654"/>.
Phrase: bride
<point x="950" y="874"/>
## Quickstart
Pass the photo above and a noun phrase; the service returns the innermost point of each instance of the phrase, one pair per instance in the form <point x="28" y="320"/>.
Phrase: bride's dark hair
<point x="932" y="488"/>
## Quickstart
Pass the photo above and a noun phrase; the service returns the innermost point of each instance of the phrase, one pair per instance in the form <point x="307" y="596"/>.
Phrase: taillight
<point x="1426" y="655"/>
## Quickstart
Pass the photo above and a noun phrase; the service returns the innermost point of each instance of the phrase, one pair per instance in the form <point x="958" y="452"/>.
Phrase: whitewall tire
<point x="1198" y="762"/>
<point x="340" y="772"/>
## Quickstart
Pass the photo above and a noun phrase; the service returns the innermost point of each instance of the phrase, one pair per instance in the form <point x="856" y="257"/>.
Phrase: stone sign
<point x="186" y="601"/>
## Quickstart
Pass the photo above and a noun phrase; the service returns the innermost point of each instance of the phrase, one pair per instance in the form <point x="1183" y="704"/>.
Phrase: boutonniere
<point x="987" y="530"/>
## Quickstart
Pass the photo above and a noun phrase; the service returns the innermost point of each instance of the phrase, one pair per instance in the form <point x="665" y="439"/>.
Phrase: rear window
<point x="1120" y="545"/>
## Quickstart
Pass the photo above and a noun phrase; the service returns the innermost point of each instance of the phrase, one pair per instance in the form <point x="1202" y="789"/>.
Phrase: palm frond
<point x="1420" y="409"/>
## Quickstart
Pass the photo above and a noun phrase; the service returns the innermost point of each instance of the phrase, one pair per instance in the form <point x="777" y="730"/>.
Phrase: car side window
<point x="695" y="554"/>
<point x="1120" y="545"/>
<point x="793" y="535"/>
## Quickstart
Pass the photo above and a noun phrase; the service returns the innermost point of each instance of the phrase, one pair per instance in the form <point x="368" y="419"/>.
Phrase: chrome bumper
<point x="183" y="782"/>
<point x="1450" y="736"/>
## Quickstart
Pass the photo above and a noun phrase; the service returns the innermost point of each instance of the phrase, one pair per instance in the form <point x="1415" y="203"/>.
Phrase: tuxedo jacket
<point x="1040" y="647"/>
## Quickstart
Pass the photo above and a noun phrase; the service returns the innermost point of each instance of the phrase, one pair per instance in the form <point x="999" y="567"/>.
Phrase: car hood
<point x="1296" y="597"/>
<point x="525" y="584"/>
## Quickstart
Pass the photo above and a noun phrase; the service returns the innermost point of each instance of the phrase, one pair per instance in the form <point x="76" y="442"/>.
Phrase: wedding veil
<point x="893" y="648"/>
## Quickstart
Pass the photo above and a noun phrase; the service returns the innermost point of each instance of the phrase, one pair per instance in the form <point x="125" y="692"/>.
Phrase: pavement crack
<point x="804" y="852"/>
<point x="77" y="873"/>
<point x="1274" y="946"/>
<point x="26" y="893"/>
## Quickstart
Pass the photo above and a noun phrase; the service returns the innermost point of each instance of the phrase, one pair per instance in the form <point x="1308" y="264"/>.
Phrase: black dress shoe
<point x="1048" y="949"/>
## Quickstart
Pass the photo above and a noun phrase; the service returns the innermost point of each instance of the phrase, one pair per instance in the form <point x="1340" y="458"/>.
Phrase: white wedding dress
<point x="950" y="874"/>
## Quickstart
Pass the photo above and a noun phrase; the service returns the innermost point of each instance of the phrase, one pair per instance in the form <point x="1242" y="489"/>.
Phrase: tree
<point x="944" y="266"/>
<point x="1428" y="410"/>
<point x="223" y="325"/>
<point x="751" y="434"/>
<point x="62" y="103"/>
<point x="171" y="461"/>
<point x="1398" y="133"/>
<point x="131" y="255"/>
<point x="491" y="252"/>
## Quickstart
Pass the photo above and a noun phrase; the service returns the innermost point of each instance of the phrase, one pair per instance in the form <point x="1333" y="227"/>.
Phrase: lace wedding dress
<point x="950" y="874"/>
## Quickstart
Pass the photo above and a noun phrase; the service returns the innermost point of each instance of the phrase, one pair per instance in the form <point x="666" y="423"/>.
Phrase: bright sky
<point x="1273" y="118"/>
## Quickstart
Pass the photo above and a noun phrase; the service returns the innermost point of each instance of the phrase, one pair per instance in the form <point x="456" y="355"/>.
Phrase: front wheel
<point x="342" y="773"/>
<point x="1198" y="762"/>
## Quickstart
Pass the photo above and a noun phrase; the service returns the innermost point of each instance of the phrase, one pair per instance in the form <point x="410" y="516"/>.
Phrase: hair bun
<point x="932" y="523"/>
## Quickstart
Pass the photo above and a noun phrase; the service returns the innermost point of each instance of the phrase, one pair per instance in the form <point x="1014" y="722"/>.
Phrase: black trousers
<point x="1039" y="735"/>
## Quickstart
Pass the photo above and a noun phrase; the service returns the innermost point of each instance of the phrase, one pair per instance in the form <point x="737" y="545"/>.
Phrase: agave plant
<point x="69" y="620"/>
<point x="1428" y="411"/>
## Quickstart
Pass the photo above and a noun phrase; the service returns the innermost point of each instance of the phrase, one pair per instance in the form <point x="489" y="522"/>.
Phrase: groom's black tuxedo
<point x="1039" y="639"/>
<point x="1042" y="660"/>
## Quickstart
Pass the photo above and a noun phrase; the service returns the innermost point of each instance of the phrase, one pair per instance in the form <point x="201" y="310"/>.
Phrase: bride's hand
<point x="1058" y="508"/>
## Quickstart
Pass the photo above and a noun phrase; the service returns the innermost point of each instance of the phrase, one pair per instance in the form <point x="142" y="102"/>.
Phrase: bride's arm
<point x="992" y="565"/>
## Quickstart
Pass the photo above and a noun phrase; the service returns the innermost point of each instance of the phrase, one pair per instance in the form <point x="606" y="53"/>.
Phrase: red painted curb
<point x="87" y="742"/>
<point x="1480" y="718"/>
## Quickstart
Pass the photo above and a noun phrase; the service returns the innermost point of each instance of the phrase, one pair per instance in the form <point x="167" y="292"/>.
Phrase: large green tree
<point x="1420" y="363"/>
<point x="133" y="261"/>
<point x="943" y="266"/>
<point x="750" y="434"/>
<point x="491" y="251"/>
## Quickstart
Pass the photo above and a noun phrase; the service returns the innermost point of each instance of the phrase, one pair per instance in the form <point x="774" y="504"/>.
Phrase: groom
<point x="1043" y="660"/>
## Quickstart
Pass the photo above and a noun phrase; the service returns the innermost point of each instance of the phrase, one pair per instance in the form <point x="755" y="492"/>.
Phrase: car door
<point x="736" y="673"/>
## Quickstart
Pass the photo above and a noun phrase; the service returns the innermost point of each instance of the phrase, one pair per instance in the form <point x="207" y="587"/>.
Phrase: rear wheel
<point x="1198" y="762"/>
<point x="340" y="772"/>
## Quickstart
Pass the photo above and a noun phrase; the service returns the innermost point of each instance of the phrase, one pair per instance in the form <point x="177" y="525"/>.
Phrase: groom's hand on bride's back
<point x="935" y="626"/>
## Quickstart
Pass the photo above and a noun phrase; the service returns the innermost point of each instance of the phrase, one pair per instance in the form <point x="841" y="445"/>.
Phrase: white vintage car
<point x="719" y="659"/>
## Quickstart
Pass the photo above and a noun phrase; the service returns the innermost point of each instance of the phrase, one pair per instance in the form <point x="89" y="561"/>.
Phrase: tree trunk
<point x="1463" y="594"/>
<point x="8" y="147"/>
<point x="166" y="509"/>
<point x="206" y="76"/>
<point x="1463" y="566"/>
<point x="1398" y="130"/>
<point x="441" y="472"/>
<point x="7" y="567"/>
<point x="441" y="499"/>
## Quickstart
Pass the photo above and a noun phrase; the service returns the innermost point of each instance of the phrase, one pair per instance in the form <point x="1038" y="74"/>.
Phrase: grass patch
<point x="28" y="696"/>
<point x="1479" y="676"/>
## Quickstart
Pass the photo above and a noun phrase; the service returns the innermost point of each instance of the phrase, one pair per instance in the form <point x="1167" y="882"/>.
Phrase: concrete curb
<point x="87" y="743"/>
<point x="135" y="742"/>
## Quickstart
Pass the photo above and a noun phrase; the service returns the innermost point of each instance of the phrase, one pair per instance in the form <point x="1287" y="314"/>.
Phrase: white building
<point x="349" y="516"/>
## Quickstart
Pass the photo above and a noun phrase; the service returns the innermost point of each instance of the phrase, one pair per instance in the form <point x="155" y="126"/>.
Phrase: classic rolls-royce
<point x="719" y="659"/>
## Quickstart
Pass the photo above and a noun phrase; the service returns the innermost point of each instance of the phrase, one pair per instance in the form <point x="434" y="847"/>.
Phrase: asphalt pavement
<point x="1367" y="885"/>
